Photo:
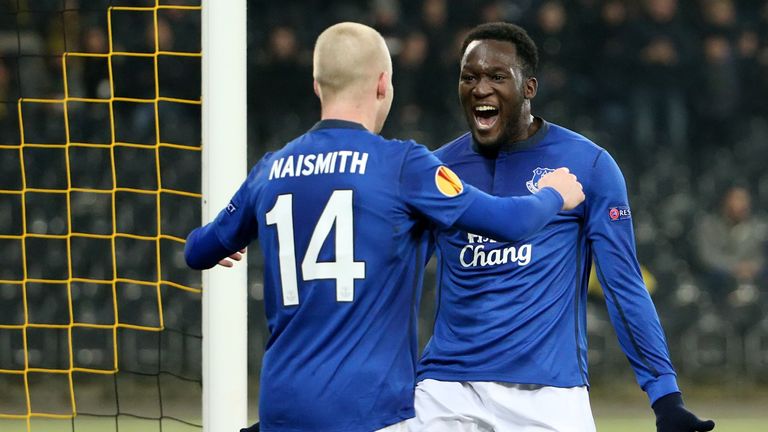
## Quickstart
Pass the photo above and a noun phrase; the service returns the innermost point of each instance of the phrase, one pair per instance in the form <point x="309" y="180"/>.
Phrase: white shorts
<point x="477" y="406"/>
<point x="397" y="427"/>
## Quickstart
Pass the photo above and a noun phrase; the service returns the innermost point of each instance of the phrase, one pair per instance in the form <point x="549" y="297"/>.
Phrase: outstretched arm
<point x="435" y="191"/>
<point x="509" y="218"/>
<point x="226" y="237"/>
<point x="204" y="250"/>
<point x="559" y="190"/>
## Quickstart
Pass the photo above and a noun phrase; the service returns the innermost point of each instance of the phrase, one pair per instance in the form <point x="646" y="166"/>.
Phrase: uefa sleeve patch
<point x="448" y="183"/>
<point x="619" y="213"/>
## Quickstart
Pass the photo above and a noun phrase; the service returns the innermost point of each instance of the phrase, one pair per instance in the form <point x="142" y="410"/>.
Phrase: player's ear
<point x="317" y="88"/>
<point x="530" y="87"/>
<point x="382" y="86"/>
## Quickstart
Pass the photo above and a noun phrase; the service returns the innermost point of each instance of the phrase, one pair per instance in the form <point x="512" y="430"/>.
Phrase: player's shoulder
<point x="400" y="144"/>
<point x="577" y="144"/>
<point x="259" y="169"/>
<point x="394" y="152"/>
<point x="563" y="135"/>
<point x="373" y="142"/>
<point x="455" y="149"/>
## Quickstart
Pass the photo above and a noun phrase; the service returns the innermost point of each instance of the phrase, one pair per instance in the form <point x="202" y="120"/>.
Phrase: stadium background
<point x="677" y="91"/>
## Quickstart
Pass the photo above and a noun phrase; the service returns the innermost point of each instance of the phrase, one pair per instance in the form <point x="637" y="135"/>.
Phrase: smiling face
<point x="495" y="93"/>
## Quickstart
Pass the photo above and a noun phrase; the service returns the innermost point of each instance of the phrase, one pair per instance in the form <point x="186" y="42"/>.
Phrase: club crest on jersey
<point x="538" y="173"/>
<point x="619" y="213"/>
<point x="448" y="183"/>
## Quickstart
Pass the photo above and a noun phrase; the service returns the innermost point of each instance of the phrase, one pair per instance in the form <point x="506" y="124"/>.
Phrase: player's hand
<point x="671" y="416"/>
<point x="566" y="185"/>
<point x="237" y="256"/>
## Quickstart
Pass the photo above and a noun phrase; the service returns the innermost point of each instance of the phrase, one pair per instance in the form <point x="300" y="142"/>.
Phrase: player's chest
<point x="515" y="174"/>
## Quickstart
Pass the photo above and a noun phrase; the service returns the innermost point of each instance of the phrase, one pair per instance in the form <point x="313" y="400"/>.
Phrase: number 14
<point x="344" y="269"/>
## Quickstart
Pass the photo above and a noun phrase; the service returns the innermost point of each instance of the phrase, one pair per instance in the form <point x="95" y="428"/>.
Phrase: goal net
<point x="100" y="321"/>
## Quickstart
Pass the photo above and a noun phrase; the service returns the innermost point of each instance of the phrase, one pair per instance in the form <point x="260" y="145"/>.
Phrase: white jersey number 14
<point x="344" y="269"/>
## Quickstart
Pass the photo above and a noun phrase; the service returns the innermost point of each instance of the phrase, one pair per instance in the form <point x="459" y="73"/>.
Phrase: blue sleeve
<point x="431" y="189"/>
<point x="436" y="192"/>
<point x="509" y="218"/>
<point x="633" y="315"/>
<point x="203" y="249"/>
<point x="233" y="229"/>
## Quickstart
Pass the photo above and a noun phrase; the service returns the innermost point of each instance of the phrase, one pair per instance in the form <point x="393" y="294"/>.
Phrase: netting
<point x="100" y="158"/>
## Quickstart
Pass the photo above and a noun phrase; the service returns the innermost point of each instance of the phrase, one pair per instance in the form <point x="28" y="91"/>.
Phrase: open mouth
<point x="485" y="116"/>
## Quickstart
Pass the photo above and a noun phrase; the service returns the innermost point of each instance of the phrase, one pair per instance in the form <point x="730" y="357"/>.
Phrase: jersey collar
<point x="336" y="124"/>
<point x="532" y="141"/>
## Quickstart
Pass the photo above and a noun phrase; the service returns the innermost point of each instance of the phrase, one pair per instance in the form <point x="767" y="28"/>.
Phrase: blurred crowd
<point x="676" y="90"/>
<point x="646" y="74"/>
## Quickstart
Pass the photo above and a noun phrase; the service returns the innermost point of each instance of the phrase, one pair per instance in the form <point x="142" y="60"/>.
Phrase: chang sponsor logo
<point x="479" y="254"/>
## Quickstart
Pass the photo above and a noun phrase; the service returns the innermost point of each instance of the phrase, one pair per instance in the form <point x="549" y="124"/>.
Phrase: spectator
<point x="663" y="47"/>
<point x="753" y="57"/>
<point x="493" y="11"/>
<point x="719" y="16"/>
<point x="732" y="244"/>
<point x="411" y="87"/>
<point x="613" y="70"/>
<point x="439" y="95"/>
<point x="95" y="70"/>
<point x="717" y="97"/>
<point x="559" y="62"/>
<point x="716" y="104"/>
<point x="386" y="19"/>
<point x="280" y="89"/>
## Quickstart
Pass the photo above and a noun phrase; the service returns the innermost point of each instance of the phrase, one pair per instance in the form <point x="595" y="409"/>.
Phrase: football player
<point x="509" y="350"/>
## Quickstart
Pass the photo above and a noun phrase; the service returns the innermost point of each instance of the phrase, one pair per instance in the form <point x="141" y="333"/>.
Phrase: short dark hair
<point x="507" y="32"/>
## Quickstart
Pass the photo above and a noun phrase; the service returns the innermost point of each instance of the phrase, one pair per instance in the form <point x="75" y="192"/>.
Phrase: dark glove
<point x="254" y="428"/>
<point x="671" y="416"/>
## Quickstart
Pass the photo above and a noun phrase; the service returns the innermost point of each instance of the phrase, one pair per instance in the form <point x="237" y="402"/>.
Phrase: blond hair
<point x="347" y="58"/>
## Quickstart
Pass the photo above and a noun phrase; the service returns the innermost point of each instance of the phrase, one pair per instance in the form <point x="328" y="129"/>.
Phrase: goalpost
<point x="225" y="321"/>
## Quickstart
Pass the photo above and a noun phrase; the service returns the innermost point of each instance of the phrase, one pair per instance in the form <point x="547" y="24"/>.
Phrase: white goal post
<point x="224" y="160"/>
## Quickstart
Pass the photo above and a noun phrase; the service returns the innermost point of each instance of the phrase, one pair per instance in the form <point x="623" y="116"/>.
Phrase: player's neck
<point x="526" y="127"/>
<point x="350" y="112"/>
<point x="533" y="126"/>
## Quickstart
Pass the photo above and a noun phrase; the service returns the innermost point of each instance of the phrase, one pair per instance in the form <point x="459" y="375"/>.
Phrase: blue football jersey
<point x="516" y="312"/>
<point x="341" y="215"/>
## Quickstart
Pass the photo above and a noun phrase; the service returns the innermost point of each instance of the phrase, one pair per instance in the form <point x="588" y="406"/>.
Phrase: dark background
<point x="677" y="91"/>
